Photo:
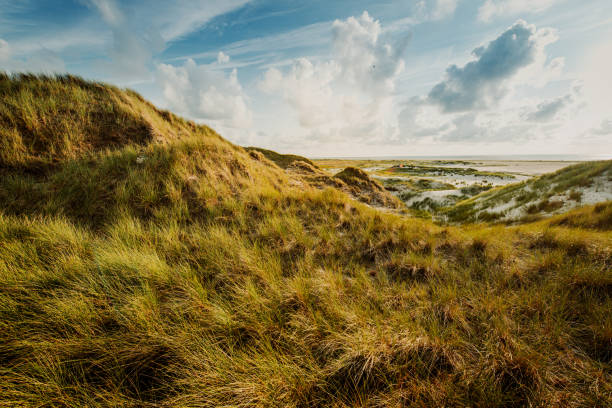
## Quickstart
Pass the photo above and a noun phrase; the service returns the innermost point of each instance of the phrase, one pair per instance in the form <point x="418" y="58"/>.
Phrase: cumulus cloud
<point x="307" y="87"/>
<point x="349" y="95"/>
<point x="364" y="60"/>
<point x="472" y="102"/>
<point x="205" y="93"/>
<point x="481" y="83"/>
<point x="495" y="8"/>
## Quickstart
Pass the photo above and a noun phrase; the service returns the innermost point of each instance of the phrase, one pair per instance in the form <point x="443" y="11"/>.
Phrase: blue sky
<point x="344" y="78"/>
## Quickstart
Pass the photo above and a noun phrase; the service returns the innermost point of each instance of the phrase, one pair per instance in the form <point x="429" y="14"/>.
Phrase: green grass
<point x="200" y="276"/>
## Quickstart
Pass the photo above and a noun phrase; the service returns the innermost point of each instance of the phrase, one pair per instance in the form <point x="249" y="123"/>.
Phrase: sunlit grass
<point x="200" y="276"/>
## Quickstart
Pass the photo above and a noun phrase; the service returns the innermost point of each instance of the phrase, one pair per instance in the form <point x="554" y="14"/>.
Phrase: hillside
<point x="147" y="262"/>
<point x="554" y="193"/>
<point x="281" y="160"/>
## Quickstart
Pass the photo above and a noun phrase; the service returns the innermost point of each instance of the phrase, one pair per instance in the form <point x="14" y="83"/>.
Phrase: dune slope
<point x="554" y="193"/>
<point x="147" y="262"/>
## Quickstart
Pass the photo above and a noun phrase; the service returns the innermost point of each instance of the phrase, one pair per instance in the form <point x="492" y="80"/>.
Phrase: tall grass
<point x="200" y="277"/>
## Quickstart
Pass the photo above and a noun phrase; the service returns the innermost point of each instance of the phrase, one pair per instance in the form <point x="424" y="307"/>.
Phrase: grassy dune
<point x="170" y="268"/>
<point x="548" y="194"/>
<point x="281" y="160"/>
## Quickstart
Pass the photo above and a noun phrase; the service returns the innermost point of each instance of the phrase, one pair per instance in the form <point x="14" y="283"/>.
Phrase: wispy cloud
<point x="496" y="8"/>
<point x="307" y="37"/>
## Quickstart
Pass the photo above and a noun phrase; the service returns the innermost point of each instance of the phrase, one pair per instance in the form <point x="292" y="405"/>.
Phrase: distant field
<point x="524" y="167"/>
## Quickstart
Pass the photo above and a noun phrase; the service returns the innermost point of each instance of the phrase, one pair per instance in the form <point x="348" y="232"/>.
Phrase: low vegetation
<point x="580" y="184"/>
<point x="422" y="170"/>
<point x="415" y="184"/>
<point x="179" y="270"/>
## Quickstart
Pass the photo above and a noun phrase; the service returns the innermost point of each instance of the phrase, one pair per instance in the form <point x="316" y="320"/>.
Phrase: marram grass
<point x="181" y="271"/>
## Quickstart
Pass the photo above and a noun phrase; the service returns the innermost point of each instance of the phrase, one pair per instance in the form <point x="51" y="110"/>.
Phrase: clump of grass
<point x="544" y="206"/>
<point x="475" y="189"/>
<point x="575" y="195"/>
<point x="201" y="276"/>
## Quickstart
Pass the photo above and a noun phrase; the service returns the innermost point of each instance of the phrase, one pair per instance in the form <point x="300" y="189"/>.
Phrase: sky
<point x="344" y="78"/>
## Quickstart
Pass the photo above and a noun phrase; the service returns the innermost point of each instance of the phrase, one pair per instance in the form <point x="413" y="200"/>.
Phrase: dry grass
<point x="281" y="160"/>
<point x="200" y="276"/>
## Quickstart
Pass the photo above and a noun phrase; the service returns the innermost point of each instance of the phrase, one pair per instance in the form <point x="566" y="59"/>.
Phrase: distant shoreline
<point x="517" y="157"/>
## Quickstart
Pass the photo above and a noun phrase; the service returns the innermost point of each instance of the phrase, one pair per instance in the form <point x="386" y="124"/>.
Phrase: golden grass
<point x="199" y="276"/>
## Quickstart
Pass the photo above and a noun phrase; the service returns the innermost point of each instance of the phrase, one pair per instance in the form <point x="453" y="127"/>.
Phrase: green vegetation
<point x="540" y="196"/>
<point x="415" y="184"/>
<point x="420" y="170"/>
<point x="474" y="189"/>
<point x="183" y="271"/>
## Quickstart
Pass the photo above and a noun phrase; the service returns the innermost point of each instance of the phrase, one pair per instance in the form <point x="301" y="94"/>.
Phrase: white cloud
<point x="141" y="31"/>
<point x="443" y="9"/>
<point x="108" y="9"/>
<point x="307" y="87"/>
<point x="483" y="82"/>
<point x="222" y="58"/>
<point x="597" y="81"/>
<point x="131" y="51"/>
<point x="41" y="60"/>
<point x="310" y="36"/>
<point x="172" y="19"/>
<point x="178" y="18"/>
<point x="349" y="96"/>
<point x="5" y="50"/>
<point x="479" y="102"/>
<point x="496" y="8"/>
<point x="205" y="93"/>
<point x="596" y="93"/>
<point x="427" y="10"/>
